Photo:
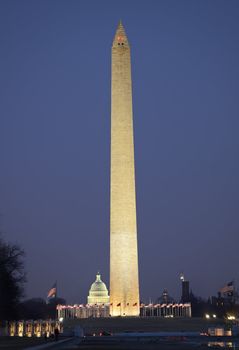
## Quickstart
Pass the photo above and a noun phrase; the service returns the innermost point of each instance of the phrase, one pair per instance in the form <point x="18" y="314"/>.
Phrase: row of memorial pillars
<point x="86" y="311"/>
<point x="32" y="328"/>
<point x="166" y="311"/>
<point x="160" y="310"/>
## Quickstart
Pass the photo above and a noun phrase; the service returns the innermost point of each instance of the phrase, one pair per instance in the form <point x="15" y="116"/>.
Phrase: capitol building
<point x="98" y="293"/>
<point x="97" y="303"/>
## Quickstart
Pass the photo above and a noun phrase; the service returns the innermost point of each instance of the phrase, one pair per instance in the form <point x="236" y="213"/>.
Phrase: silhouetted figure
<point x="56" y="332"/>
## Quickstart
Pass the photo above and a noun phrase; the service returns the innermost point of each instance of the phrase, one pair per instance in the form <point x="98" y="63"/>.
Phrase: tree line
<point x="12" y="280"/>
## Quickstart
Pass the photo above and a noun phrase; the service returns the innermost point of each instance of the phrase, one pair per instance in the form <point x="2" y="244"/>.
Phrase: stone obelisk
<point x="124" y="282"/>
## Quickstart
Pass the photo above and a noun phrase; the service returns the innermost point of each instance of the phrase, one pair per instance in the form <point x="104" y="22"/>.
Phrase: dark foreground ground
<point x="12" y="343"/>
<point x="154" y="344"/>
<point x="112" y="343"/>
<point x="128" y="325"/>
<point x="152" y="324"/>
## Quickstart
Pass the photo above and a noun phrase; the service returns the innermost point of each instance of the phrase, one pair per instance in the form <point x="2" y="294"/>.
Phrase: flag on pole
<point x="227" y="289"/>
<point x="52" y="292"/>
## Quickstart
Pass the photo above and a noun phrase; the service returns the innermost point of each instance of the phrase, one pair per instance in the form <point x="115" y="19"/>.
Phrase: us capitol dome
<point x="98" y="293"/>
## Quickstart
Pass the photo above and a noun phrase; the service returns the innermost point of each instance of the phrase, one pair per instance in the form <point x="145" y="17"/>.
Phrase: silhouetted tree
<point x="12" y="277"/>
<point x="32" y="309"/>
<point x="51" y="307"/>
<point x="199" y="305"/>
<point x="37" y="308"/>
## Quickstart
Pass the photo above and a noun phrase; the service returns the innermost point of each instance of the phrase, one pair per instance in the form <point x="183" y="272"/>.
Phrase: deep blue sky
<point x="55" y="139"/>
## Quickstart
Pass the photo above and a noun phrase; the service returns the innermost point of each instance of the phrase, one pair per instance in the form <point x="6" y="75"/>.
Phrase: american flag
<point x="228" y="288"/>
<point x="52" y="292"/>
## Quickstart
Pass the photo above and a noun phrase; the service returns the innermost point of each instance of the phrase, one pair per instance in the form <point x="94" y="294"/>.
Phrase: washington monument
<point x="124" y="282"/>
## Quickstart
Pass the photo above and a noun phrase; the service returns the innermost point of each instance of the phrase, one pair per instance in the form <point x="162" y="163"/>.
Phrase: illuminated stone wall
<point x="124" y="285"/>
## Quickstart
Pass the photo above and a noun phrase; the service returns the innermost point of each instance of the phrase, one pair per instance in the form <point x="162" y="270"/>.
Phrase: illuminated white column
<point x="124" y="284"/>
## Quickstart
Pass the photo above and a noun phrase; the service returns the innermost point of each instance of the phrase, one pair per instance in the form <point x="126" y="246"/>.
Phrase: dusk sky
<point x="55" y="71"/>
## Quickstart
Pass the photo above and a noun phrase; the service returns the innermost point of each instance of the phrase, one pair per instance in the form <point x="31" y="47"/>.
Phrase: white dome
<point x="98" y="293"/>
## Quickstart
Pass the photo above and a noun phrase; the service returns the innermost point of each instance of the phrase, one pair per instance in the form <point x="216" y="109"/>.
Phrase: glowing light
<point x="214" y="316"/>
<point x="207" y="316"/>
<point x="182" y="277"/>
<point x="231" y="317"/>
<point x="61" y="319"/>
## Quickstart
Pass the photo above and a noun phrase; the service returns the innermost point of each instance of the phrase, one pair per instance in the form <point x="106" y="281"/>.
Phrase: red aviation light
<point x="120" y="38"/>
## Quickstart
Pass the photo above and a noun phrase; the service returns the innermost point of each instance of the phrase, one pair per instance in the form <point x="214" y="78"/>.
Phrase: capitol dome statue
<point x="98" y="293"/>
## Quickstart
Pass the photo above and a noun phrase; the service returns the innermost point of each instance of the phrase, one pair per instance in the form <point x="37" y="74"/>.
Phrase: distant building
<point x="185" y="297"/>
<point x="185" y="292"/>
<point x="98" y="293"/>
<point x="165" y="298"/>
